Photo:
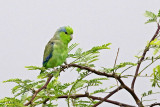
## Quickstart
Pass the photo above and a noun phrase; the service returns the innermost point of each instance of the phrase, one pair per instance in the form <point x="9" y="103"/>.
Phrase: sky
<point x="27" y="25"/>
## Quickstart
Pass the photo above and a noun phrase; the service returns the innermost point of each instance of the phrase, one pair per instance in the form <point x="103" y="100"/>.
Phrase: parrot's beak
<point x="71" y="37"/>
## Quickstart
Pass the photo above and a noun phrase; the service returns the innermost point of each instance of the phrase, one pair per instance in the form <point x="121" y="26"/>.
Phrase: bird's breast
<point x="59" y="55"/>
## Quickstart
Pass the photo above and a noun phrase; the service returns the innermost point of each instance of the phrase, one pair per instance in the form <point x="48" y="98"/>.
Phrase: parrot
<point x="56" y="50"/>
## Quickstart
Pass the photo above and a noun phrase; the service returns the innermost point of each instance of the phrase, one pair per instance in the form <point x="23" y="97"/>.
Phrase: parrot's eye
<point x="66" y="33"/>
<point x="51" y="43"/>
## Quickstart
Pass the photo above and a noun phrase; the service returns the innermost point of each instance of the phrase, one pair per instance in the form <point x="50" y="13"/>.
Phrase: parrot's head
<point x="65" y="34"/>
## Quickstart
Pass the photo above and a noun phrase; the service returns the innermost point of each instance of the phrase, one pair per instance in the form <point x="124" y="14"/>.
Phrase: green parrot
<point x="56" y="50"/>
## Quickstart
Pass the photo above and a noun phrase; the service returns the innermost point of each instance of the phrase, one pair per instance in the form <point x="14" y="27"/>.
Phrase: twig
<point x="155" y="104"/>
<point x="109" y="95"/>
<point x="37" y="91"/>
<point x="137" y="76"/>
<point x="115" y="65"/>
<point x="143" y="56"/>
<point x="147" y="66"/>
<point x="126" y="69"/>
<point x="116" y="59"/>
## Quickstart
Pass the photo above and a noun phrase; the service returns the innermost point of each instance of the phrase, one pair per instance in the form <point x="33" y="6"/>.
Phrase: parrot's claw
<point x="64" y="66"/>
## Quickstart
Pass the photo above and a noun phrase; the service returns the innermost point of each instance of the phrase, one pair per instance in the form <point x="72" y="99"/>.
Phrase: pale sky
<point x="27" y="25"/>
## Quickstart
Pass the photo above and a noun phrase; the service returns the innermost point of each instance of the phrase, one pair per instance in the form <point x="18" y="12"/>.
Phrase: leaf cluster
<point x="156" y="76"/>
<point x="87" y="57"/>
<point x="152" y="17"/>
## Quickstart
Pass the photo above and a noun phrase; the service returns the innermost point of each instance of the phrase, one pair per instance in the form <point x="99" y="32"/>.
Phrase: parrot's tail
<point x="41" y="71"/>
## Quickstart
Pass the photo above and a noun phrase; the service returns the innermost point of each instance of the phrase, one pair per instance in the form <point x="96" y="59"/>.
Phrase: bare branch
<point x="116" y="58"/>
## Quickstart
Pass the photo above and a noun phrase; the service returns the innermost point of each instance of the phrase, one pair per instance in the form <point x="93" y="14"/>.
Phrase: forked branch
<point x="143" y="56"/>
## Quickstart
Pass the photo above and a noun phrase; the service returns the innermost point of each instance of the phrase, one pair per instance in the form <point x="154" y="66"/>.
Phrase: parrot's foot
<point x="64" y="66"/>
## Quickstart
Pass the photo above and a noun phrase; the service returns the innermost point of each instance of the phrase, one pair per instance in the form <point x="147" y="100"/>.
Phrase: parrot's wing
<point x="48" y="52"/>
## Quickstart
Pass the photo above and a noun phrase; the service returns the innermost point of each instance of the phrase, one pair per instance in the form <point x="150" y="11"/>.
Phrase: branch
<point x="89" y="69"/>
<point x="155" y="104"/>
<point x="138" y="102"/>
<point x="143" y="56"/>
<point x="109" y="95"/>
<point x="37" y="91"/>
<point x="117" y="77"/>
<point x="112" y="102"/>
<point x="93" y="98"/>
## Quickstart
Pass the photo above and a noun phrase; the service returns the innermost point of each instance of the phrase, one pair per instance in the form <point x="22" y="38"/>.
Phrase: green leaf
<point x="15" y="89"/>
<point x="82" y="103"/>
<point x="156" y="76"/>
<point x="121" y="65"/>
<point x="10" y="102"/>
<point x="151" y="20"/>
<point x="156" y="51"/>
<point x="23" y="98"/>
<point x="148" y="93"/>
<point x="89" y="56"/>
<point x="71" y="47"/>
<point x="35" y="68"/>
<point x="80" y="84"/>
<point x="96" y="48"/>
<point x="158" y="14"/>
<point x="150" y="14"/>
<point x="155" y="44"/>
<point x="98" y="91"/>
<point x="16" y="80"/>
<point x="96" y="81"/>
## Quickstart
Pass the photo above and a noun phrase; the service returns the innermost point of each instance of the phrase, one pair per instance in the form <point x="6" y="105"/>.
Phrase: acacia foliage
<point x="24" y="90"/>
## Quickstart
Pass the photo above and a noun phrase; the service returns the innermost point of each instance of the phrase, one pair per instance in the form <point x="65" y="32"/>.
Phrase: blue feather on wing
<point x="48" y="57"/>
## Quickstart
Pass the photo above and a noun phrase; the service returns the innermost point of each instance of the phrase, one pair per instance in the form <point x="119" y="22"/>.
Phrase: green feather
<point x="48" y="52"/>
<point x="56" y="50"/>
